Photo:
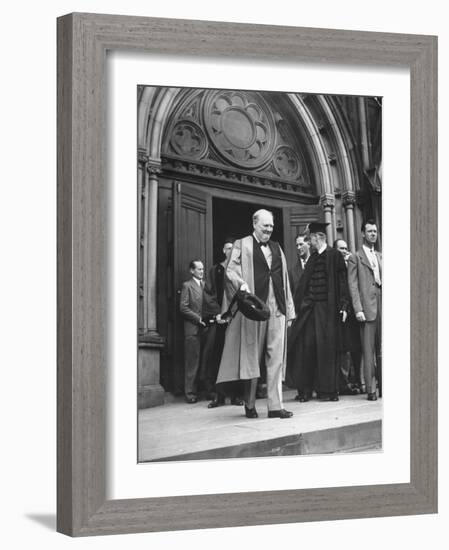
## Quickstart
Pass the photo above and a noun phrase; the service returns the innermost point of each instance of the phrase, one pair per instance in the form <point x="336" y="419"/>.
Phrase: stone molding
<point x="229" y="175"/>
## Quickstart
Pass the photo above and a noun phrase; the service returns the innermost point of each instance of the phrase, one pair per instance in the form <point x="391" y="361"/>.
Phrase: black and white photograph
<point x="205" y="204"/>
<point x="259" y="273"/>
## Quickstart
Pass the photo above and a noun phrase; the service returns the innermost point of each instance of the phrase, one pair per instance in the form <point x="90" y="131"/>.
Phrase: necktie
<point x="375" y="266"/>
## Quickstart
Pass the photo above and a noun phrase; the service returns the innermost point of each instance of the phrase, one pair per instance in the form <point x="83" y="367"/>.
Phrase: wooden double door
<point x="194" y="221"/>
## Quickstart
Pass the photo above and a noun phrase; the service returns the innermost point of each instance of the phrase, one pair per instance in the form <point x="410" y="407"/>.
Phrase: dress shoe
<point x="251" y="413"/>
<point x="282" y="413"/>
<point x="329" y="397"/>
<point x="191" y="400"/>
<point x="302" y="398"/>
<point x="219" y="402"/>
<point x="237" y="401"/>
<point x="372" y="396"/>
<point x="348" y="390"/>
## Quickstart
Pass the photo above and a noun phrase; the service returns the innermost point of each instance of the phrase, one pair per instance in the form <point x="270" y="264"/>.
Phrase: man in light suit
<point x="365" y="286"/>
<point x="257" y="264"/>
<point x="190" y="306"/>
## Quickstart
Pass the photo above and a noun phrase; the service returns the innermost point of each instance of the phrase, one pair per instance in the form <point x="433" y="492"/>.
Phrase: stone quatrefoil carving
<point x="188" y="139"/>
<point x="286" y="163"/>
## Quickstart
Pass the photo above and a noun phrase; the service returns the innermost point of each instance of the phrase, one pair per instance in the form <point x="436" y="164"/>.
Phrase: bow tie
<point x="263" y="244"/>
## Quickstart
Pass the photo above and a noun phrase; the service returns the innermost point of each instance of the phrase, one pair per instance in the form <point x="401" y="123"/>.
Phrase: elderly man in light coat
<point x="257" y="264"/>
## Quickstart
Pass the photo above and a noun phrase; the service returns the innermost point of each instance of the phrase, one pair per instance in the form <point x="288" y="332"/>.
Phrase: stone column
<point x="362" y="201"/>
<point x="150" y="392"/>
<point x="150" y="249"/>
<point x="141" y="175"/>
<point x="377" y="207"/>
<point x="364" y="134"/>
<point x="327" y="201"/>
<point x="348" y="204"/>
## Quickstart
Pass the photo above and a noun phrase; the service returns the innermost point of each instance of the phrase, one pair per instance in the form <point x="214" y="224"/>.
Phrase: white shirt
<point x="372" y="257"/>
<point x="266" y="252"/>
<point x="322" y="248"/>
<point x="199" y="282"/>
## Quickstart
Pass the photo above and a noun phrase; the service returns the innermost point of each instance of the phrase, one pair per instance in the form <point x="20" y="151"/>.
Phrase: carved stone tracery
<point x="239" y="127"/>
<point x="287" y="163"/>
<point x="188" y="139"/>
<point x="240" y="133"/>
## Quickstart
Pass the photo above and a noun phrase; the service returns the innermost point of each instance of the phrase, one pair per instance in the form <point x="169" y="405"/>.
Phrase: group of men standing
<point x="324" y="314"/>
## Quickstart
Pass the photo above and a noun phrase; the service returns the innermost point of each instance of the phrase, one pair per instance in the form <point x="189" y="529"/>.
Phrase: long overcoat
<point x="240" y="359"/>
<point x="337" y="300"/>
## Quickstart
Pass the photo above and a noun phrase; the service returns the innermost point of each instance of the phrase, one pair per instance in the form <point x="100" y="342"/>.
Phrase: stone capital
<point x="327" y="200"/>
<point x="153" y="168"/>
<point x="349" y="198"/>
<point x="142" y="156"/>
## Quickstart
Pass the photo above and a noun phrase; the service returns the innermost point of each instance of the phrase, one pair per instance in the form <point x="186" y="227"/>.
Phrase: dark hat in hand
<point x="251" y="306"/>
<point x="317" y="227"/>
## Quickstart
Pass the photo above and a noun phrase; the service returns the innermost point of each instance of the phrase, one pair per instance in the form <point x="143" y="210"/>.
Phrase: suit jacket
<point x="295" y="274"/>
<point x="240" y="354"/>
<point x="362" y="286"/>
<point x="190" y="306"/>
<point x="213" y="291"/>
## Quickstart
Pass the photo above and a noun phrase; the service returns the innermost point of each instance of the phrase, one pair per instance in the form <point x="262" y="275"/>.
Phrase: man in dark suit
<point x="321" y="302"/>
<point x="365" y="286"/>
<point x="215" y="334"/>
<point x="258" y="265"/>
<point x="190" y="306"/>
<point x="302" y="243"/>
<point x="351" y="348"/>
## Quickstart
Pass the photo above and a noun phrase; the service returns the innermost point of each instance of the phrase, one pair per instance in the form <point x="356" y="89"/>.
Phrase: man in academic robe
<point x="365" y="286"/>
<point x="321" y="301"/>
<point x="257" y="265"/>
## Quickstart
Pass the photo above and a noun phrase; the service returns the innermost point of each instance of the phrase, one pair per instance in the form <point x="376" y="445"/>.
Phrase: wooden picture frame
<point x="83" y="40"/>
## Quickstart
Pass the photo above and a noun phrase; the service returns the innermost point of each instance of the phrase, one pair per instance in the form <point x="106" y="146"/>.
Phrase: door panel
<point x="165" y="270"/>
<point x="193" y="241"/>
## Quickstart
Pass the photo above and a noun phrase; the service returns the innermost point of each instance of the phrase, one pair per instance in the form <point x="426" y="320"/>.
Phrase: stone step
<point x="360" y="437"/>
